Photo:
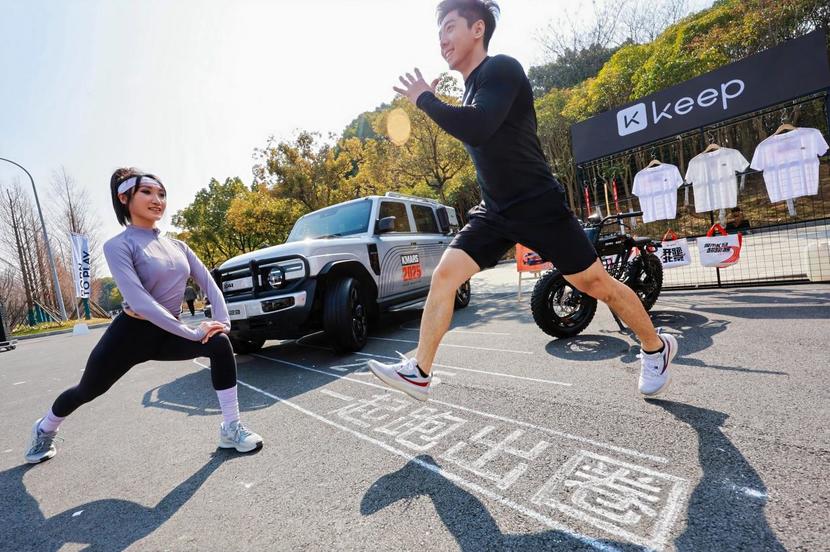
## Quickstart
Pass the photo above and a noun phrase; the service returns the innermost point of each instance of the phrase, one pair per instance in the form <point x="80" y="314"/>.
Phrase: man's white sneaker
<point x="404" y="376"/>
<point x="239" y="437"/>
<point x="655" y="374"/>
<point x="41" y="446"/>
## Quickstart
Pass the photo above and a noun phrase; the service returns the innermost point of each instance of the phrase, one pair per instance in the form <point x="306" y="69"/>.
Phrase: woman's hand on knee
<point x="211" y="328"/>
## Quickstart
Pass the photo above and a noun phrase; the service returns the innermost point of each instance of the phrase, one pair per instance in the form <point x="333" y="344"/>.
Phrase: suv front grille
<point x="252" y="280"/>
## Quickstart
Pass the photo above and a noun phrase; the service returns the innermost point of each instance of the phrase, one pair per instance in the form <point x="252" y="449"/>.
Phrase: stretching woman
<point x="151" y="272"/>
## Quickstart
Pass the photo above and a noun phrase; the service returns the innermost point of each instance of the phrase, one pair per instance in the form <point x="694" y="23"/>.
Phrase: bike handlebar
<point x="620" y="216"/>
<point x="631" y="214"/>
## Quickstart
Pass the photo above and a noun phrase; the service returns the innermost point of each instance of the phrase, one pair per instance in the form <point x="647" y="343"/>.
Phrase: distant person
<point x="151" y="271"/>
<point x="736" y="221"/>
<point x="190" y="298"/>
<point x="522" y="201"/>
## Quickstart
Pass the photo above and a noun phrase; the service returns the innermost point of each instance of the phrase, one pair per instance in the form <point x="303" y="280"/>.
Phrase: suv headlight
<point x="286" y="272"/>
<point x="276" y="277"/>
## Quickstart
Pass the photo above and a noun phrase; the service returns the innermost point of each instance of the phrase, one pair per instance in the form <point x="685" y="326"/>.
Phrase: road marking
<point x="346" y="367"/>
<point x="8" y="450"/>
<point x="621" y="450"/>
<point x="403" y="327"/>
<point x="19" y="383"/>
<point x="459" y="346"/>
<point x="76" y="514"/>
<point x="442" y="472"/>
<point x="335" y="395"/>
<point x="597" y="489"/>
<point x="500" y="374"/>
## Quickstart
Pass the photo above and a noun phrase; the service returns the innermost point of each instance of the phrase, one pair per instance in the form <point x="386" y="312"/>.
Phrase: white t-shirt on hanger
<point x="656" y="188"/>
<point x="713" y="178"/>
<point x="790" y="163"/>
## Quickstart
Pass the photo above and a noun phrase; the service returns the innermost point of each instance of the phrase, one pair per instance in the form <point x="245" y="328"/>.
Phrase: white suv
<point x="339" y="267"/>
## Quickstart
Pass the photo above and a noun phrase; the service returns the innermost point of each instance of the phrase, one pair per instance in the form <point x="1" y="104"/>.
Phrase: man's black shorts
<point x="545" y="224"/>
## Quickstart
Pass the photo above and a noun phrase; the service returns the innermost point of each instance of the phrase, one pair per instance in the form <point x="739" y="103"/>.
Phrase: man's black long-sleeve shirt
<point x="497" y="124"/>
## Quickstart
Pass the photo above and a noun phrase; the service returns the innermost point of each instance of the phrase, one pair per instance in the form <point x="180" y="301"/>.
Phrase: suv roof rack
<point x="405" y="196"/>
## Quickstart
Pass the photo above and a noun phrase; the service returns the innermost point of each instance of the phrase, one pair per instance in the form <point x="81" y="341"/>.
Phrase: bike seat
<point x="642" y="242"/>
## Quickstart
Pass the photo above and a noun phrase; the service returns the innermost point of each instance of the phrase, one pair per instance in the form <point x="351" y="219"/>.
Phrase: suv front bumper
<point x="281" y="316"/>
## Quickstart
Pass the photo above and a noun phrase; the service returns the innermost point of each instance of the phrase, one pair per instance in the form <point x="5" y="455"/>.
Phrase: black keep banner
<point x="793" y="69"/>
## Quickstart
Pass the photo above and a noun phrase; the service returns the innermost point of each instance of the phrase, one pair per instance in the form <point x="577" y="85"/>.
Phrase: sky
<point x="187" y="89"/>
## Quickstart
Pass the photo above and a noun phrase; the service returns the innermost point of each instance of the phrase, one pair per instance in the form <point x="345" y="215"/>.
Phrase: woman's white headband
<point x="133" y="181"/>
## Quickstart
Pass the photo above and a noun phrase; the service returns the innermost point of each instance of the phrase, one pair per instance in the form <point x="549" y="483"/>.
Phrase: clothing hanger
<point x="654" y="161"/>
<point x="713" y="145"/>
<point x="783" y="128"/>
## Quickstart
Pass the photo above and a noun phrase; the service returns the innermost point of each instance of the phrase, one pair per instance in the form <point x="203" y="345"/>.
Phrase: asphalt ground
<point x="528" y="443"/>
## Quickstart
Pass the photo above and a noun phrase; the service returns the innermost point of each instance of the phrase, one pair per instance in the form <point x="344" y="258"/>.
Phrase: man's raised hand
<point x="413" y="87"/>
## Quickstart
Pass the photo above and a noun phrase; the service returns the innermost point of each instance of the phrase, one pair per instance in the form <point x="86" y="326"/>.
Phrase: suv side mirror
<point x="386" y="224"/>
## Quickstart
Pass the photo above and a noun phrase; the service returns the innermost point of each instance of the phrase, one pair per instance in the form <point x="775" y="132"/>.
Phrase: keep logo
<point x="632" y="119"/>
<point x="636" y="118"/>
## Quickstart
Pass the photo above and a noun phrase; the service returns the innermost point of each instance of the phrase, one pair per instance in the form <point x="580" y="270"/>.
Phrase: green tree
<point x="431" y="159"/>
<point x="205" y="227"/>
<point x="109" y="297"/>
<point x="569" y="69"/>
<point x="362" y="126"/>
<point x="308" y="170"/>
<point x="264" y="219"/>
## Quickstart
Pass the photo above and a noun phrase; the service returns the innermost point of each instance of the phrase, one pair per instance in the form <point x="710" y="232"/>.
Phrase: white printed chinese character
<point x="624" y="499"/>
<point x="422" y="429"/>
<point x="364" y="411"/>
<point x="495" y="449"/>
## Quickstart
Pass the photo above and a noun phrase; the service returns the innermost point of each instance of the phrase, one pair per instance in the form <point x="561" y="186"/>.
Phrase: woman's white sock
<point x="229" y="405"/>
<point x="50" y="422"/>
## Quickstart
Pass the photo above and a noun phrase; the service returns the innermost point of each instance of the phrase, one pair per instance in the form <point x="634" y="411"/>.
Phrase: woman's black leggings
<point x="129" y="341"/>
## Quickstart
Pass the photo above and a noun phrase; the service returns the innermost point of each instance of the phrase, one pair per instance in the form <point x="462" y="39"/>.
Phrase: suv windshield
<point x="334" y="222"/>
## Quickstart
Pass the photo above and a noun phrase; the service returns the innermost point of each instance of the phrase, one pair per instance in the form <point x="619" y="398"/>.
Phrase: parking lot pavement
<point x="528" y="443"/>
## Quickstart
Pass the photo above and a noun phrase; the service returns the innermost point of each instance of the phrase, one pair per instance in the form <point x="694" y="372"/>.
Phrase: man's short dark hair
<point x="472" y="11"/>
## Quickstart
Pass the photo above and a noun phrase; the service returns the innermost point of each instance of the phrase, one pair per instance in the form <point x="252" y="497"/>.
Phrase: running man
<point x="151" y="272"/>
<point x="522" y="200"/>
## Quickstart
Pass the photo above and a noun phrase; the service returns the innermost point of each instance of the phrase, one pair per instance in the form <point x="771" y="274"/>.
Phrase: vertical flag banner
<point x="80" y="265"/>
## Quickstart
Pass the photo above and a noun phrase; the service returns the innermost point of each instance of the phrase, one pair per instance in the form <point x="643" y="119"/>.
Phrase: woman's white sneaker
<point x="41" y="445"/>
<point x="655" y="373"/>
<point x="403" y="376"/>
<point x="235" y="435"/>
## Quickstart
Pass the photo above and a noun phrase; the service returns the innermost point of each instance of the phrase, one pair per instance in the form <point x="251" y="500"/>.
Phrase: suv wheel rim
<point x="463" y="293"/>
<point x="358" y="315"/>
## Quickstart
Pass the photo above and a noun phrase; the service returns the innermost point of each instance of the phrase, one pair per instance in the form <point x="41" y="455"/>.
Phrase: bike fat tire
<point x="653" y="269"/>
<point x="546" y="290"/>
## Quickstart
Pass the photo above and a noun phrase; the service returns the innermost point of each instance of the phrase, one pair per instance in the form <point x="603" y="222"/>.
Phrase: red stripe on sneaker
<point x="406" y="379"/>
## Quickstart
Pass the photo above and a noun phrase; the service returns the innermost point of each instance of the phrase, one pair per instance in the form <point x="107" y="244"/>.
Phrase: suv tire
<point x="246" y="347"/>
<point x="345" y="315"/>
<point x="462" y="295"/>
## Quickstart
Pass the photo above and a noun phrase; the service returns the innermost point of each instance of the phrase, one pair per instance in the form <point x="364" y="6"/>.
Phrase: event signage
<point x="796" y="68"/>
<point x="80" y="265"/>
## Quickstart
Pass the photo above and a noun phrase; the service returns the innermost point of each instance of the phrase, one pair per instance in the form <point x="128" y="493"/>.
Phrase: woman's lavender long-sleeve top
<point x="151" y="272"/>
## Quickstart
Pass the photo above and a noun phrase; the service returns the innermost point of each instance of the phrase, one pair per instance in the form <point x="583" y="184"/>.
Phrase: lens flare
<point x="398" y="127"/>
